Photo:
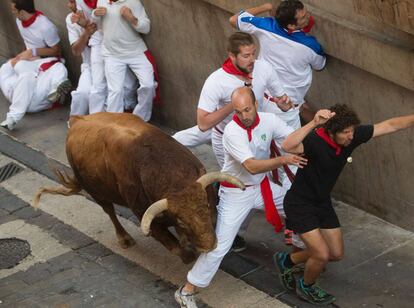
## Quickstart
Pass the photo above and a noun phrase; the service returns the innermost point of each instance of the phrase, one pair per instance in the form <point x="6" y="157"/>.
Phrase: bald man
<point x="246" y="143"/>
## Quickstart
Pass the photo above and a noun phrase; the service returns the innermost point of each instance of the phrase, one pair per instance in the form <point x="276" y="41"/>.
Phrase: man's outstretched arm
<point x="267" y="7"/>
<point x="393" y="125"/>
<point x="293" y="142"/>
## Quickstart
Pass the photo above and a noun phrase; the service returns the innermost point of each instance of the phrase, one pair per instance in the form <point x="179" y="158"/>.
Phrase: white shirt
<point x="97" y="37"/>
<point x="120" y="38"/>
<point x="293" y="61"/>
<point x="74" y="33"/>
<point x="42" y="33"/>
<point x="219" y="86"/>
<point x="238" y="148"/>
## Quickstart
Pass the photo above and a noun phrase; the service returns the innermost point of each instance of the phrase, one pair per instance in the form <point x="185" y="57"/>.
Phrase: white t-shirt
<point x="219" y="86"/>
<point x="97" y="37"/>
<point x="238" y="148"/>
<point x="74" y="33"/>
<point x="292" y="60"/>
<point x="120" y="38"/>
<point x="42" y="33"/>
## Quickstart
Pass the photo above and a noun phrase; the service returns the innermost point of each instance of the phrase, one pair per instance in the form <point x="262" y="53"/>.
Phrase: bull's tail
<point x="71" y="187"/>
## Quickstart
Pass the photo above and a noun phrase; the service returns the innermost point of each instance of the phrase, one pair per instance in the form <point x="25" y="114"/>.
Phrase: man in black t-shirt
<point x="308" y="205"/>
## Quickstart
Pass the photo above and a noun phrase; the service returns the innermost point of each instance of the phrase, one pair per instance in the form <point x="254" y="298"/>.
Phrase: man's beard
<point x="242" y="69"/>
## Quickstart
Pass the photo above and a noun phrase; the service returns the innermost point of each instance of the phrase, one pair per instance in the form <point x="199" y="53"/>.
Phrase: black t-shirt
<point x="316" y="180"/>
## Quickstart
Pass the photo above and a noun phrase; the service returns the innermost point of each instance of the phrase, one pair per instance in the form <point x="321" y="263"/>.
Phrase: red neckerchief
<point x="321" y="132"/>
<point x="229" y="68"/>
<point x="311" y="23"/>
<point x="248" y="129"/>
<point x="91" y="3"/>
<point x="272" y="216"/>
<point x="305" y="29"/>
<point x="31" y="20"/>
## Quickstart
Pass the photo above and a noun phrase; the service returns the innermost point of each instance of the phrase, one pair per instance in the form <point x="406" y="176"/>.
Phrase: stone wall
<point x="370" y="67"/>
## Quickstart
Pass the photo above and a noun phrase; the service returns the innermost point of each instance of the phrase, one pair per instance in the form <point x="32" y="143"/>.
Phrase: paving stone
<point x="27" y="303"/>
<point x="12" y="286"/>
<point x="60" y="300"/>
<point x="44" y="220"/>
<point x="70" y="236"/>
<point x="237" y="265"/>
<point x="385" y="280"/>
<point x="291" y="299"/>
<point x="94" y="251"/>
<point x="265" y="281"/>
<point x="122" y="290"/>
<point x="66" y="261"/>
<point x="38" y="272"/>
<point x="10" y="202"/>
<point x="3" y="213"/>
<point x="26" y="213"/>
<point x="7" y="218"/>
<point x="117" y="264"/>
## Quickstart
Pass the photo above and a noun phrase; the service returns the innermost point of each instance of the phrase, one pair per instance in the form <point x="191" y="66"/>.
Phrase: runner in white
<point x="286" y="45"/>
<point x="85" y="95"/>
<point x="122" y="22"/>
<point x="246" y="143"/>
<point x="214" y="108"/>
<point x="79" y="39"/>
<point x="99" y="90"/>
<point x="29" y="82"/>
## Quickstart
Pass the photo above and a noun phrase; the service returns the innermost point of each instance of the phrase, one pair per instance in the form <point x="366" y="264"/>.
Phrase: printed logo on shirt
<point x="264" y="137"/>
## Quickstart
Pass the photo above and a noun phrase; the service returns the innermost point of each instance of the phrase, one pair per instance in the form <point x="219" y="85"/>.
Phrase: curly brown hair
<point x="344" y="118"/>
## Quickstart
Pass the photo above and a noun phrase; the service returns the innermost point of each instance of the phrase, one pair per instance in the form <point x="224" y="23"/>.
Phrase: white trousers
<point x="80" y="97"/>
<point x="115" y="70"/>
<point x="192" y="137"/>
<point x="99" y="90"/>
<point x="232" y="210"/>
<point x="130" y="90"/>
<point x="27" y="88"/>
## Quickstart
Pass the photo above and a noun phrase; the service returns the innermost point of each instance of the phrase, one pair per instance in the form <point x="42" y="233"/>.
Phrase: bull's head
<point x="191" y="211"/>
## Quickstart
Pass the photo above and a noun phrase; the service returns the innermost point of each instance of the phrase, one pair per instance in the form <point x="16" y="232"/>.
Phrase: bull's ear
<point x="155" y="209"/>
<point x="213" y="177"/>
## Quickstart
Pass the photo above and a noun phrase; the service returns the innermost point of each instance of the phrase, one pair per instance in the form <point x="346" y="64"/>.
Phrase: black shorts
<point x="303" y="215"/>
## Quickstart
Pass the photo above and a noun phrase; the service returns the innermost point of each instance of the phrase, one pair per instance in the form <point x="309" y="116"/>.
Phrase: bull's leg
<point x="165" y="237"/>
<point x="124" y="239"/>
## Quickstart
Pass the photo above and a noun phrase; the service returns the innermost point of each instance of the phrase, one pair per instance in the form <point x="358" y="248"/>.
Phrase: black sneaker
<point x="239" y="244"/>
<point x="59" y="93"/>
<point x="314" y="294"/>
<point x="286" y="274"/>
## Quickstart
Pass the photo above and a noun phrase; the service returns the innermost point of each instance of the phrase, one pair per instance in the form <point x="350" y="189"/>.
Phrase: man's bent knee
<point x="321" y="256"/>
<point x="337" y="256"/>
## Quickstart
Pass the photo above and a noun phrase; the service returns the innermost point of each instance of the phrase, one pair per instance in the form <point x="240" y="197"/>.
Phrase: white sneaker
<point x="9" y="124"/>
<point x="185" y="301"/>
<point x="59" y="94"/>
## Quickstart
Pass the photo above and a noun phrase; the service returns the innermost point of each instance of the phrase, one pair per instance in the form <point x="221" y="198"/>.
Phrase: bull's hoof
<point x="126" y="241"/>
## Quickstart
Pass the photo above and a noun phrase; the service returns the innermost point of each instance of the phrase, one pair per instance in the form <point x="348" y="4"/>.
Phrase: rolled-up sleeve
<point x="144" y="25"/>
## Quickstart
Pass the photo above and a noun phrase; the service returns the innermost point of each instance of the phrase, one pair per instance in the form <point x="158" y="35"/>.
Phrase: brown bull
<point x="120" y="159"/>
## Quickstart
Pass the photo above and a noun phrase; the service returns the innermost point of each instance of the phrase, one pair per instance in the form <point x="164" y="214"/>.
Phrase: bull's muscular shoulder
<point x="129" y="136"/>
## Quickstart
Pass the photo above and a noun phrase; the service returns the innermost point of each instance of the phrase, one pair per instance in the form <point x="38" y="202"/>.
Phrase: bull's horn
<point x="155" y="209"/>
<point x="212" y="177"/>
